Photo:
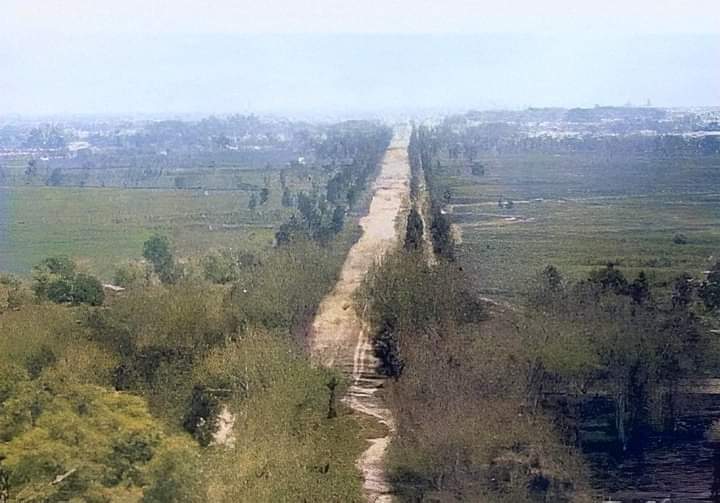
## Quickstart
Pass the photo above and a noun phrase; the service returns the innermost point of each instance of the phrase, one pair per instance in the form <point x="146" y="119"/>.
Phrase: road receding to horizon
<point x="340" y="338"/>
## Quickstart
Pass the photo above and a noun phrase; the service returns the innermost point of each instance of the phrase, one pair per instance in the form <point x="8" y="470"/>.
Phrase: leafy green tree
<point x="441" y="234"/>
<point x="55" y="279"/>
<point x="636" y="347"/>
<point x="682" y="291"/>
<point x="338" y="219"/>
<point x="222" y="267"/>
<point x="87" y="289"/>
<point x="288" y="231"/>
<point x="156" y="250"/>
<point x="31" y="168"/>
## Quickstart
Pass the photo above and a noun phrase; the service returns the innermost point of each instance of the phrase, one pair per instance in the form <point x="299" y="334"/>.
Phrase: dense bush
<point x="62" y="443"/>
<point x="56" y="279"/>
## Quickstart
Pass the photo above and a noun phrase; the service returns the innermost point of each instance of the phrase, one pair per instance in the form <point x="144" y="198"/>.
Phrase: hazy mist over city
<point x="198" y="58"/>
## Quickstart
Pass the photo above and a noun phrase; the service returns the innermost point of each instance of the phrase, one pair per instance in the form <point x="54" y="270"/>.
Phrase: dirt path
<point x="339" y="337"/>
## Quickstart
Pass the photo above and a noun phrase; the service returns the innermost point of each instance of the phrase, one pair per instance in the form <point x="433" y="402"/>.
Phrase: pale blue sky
<point x="330" y="56"/>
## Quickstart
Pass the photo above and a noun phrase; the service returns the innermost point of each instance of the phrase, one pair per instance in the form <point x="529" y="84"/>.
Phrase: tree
<point x="264" y="195"/>
<point x="477" y="169"/>
<point x="441" y="233"/>
<point x="60" y="265"/>
<point x="131" y="273"/>
<point x="286" y="200"/>
<point x="31" y="168"/>
<point x="414" y="231"/>
<point x="87" y="289"/>
<point x="55" y="178"/>
<point x="682" y="291"/>
<point x="156" y="250"/>
<point x="609" y="278"/>
<point x="639" y="289"/>
<point x="710" y="289"/>
<point x="288" y="231"/>
<point x="680" y="239"/>
<point x="553" y="278"/>
<point x="338" y="219"/>
<point x="55" y="279"/>
<point x="222" y="267"/>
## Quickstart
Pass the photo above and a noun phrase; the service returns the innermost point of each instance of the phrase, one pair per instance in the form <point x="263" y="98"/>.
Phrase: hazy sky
<point x="343" y="56"/>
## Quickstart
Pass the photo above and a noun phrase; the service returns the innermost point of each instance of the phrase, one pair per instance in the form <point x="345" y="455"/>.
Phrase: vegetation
<point x="156" y="250"/>
<point x="320" y="216"/>
<point x="464" y="430"/>
<point x="577" y="209"/>
<point x="121" y="398"/>
<point x="608" y="334"/>
<point x="191" y="381"/>
<point x="604" y="345"/>
<point x="56" y="279"/>
<point x="172" y="179"/>
<point x="154" y="367"/>
<point x="460" y="390"/>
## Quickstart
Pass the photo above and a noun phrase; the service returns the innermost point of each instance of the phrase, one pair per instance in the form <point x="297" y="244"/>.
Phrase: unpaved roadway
<point x="340" y="338"/>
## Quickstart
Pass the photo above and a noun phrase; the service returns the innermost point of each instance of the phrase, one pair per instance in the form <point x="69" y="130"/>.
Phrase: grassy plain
<point x="101" y="227"/>
<point x="579" y="211"/>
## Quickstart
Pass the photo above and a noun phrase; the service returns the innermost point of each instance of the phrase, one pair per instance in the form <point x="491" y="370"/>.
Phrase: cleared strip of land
<point x="339" y="337"/>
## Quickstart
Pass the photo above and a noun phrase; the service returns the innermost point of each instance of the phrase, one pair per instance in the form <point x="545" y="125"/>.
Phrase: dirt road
<point x="339" y="337"/>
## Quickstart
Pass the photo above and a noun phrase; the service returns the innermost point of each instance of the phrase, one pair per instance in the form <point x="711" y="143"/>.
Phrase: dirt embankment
<point x="339" y="337"/>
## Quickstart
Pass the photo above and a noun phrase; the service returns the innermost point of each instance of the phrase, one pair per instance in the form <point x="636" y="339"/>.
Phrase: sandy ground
<point x="225" y="434"/>
<point x="339" y="337"/>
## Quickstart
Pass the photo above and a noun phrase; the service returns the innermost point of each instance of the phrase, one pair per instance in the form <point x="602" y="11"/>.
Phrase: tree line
<point x="353" y="156"/>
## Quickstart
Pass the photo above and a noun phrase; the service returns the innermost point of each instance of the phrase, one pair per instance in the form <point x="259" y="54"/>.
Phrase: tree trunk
<point x="620" y="413"/>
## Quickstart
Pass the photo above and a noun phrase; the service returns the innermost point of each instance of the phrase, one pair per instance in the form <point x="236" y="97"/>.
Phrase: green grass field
<point x="579" y="211"/>
<point x="102" y="227"/>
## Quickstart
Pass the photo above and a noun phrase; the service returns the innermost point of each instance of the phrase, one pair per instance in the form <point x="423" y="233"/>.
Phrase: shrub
<point x="55" y="279"/>
<point x="131" y="274"/>
<point x="680" y="239"/>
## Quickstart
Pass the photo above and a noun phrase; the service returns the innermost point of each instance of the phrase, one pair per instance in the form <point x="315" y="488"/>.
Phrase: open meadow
<point x="581" y="211"/>
<point x="101" y="227"/>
